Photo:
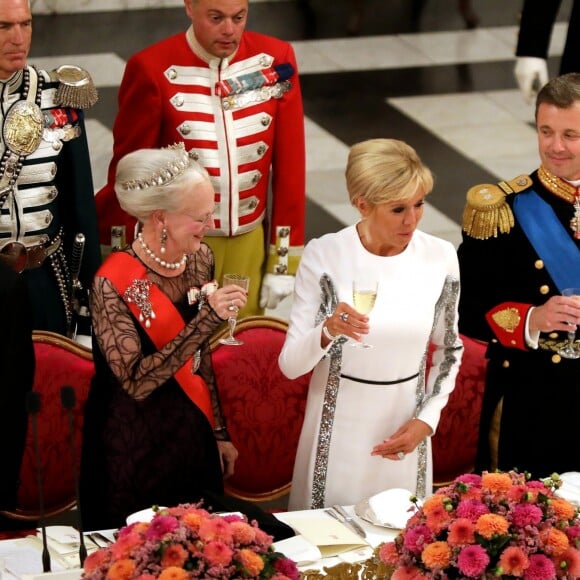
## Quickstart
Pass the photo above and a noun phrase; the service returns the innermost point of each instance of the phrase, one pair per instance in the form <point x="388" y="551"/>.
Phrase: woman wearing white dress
<point x="371" y="411"/>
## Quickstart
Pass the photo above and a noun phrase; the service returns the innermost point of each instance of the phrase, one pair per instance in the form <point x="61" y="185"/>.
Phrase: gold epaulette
<point x="76" y="88"/>
<point x="486" y="211"/>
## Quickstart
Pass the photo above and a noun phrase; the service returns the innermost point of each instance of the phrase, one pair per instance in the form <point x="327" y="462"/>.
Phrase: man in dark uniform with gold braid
<point x="520" y="250"/>
<point x="46" y="189"/>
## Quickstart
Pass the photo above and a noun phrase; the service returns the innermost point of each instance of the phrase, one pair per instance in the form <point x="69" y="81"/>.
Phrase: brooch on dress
<point x="138" y="294"/>
<point x="195" y="294"/>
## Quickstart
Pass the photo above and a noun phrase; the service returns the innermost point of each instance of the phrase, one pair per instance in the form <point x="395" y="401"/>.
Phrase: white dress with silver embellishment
<point x="404" y="319"/>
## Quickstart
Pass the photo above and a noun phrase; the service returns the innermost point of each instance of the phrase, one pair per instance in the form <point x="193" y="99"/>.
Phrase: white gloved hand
<point x="531" y="73"/>
<point x="275" y="287"/>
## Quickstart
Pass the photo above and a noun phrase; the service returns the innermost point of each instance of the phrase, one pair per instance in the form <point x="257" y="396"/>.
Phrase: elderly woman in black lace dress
<point x="154" y="433"/>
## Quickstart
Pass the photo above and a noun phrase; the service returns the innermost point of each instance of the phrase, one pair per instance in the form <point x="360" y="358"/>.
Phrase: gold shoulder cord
<point x="76" y="89"/>
<point x="486" y="211"/>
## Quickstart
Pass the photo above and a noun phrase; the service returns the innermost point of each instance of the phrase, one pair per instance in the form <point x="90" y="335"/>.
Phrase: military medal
<point x="575" y="221"/>
<point x="22" y="131"/>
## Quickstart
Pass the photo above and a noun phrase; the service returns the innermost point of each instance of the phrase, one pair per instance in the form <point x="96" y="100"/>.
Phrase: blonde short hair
<point x="384" y="170"/>
<point x="168" y="195"/>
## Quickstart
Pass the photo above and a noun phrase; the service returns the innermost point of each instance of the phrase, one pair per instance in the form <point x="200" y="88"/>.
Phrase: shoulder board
<point x="76" y="88"/>
<point x="516" y="185"/>
<point x="486" y="212"/>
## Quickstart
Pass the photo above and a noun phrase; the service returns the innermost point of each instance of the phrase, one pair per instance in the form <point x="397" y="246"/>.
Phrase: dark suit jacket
<point x="537" y="22"/>
<point x="16" y="378"/>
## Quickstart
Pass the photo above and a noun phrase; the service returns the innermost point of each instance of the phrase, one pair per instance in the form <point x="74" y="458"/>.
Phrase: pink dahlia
<point x="471" y="509"/>
<point x="540" y="568"/>
<point x="472" y="561"/>
<point x="526" y="514"/>
<point x="416" y="538"/>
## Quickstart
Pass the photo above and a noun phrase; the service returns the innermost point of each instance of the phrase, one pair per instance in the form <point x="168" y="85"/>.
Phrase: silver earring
<point x="163" y="239"/>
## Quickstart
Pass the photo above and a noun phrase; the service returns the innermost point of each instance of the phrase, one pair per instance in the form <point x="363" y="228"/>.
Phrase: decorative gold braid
<point x="557" y="186"/>
<point x="486" y="212"/>
<point x="508" y="319"/>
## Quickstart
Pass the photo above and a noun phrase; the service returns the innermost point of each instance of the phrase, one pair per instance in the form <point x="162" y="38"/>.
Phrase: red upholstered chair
<point x="264" y="410"/>
<point x="455" y="441"/>
<point x="59" y="362"/>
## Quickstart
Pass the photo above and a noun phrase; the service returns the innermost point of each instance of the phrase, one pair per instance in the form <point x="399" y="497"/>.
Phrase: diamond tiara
<point x="165" y="175"/>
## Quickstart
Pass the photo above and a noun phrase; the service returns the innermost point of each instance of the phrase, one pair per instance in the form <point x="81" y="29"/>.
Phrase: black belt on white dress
<point x="367" y="382"/>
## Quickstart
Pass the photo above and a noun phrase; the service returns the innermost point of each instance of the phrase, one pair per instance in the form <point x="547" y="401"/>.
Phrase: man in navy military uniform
<point x="520" y="250"/>
<point x="46" y="189"/>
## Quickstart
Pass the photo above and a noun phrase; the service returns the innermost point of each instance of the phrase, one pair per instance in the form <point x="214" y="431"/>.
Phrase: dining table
<point x="21" y="558"/>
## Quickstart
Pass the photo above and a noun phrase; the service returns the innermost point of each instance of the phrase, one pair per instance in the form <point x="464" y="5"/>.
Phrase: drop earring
<point x="163" y="239"/>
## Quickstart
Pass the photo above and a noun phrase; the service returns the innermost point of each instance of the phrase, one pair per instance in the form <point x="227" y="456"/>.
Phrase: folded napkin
<point x="391" y="508"/>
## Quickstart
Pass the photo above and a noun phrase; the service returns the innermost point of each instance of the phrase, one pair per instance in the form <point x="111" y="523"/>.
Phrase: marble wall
<point x="63" y="6"/>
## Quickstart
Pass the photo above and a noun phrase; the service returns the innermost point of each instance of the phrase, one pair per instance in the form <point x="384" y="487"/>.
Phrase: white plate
<point x="392" y="510"/>
<point x="570" y="489"/>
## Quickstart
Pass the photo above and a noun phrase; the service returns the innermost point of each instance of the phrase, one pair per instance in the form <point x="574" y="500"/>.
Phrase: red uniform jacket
<point x="168" y="95"/>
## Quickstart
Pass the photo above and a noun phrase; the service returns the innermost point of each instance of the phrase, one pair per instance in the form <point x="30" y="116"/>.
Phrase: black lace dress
<point x="144" y="442"/>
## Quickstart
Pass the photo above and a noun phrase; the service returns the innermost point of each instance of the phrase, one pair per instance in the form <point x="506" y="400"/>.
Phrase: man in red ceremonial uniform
<point x="520" y="252"/>
<point x="233" y="97"/>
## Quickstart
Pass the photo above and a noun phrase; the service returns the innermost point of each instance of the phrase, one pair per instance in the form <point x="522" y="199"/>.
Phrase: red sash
<point x="122" y="270"/>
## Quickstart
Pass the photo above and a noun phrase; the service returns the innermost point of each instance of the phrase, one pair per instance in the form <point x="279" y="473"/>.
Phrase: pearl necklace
<point x="160" y="261"/>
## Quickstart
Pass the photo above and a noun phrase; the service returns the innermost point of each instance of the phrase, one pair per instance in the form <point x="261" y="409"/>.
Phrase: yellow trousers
<point x="244" y="254"/>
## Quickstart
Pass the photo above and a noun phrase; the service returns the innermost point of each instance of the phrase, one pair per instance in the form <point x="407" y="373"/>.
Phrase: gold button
<point x="513" y="342"/>
<point x="172" y="74"/>
<point x="553" y="335"/>
<point x="506" y="364"/>
<point x="556" y="358"/>
<point x="544" y="289"/>
<point x="494" y="340"/>
<point x="539" y="264"/>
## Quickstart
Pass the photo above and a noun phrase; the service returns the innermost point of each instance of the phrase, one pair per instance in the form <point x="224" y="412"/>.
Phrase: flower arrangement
<point x="189" y="542"/>
<point x="493" y="525"/>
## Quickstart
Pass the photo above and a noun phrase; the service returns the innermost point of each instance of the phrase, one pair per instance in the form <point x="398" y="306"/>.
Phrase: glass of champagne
<point x="243" y="282"/>
<point x="364" y="295"/>
<point x="569" y="350"/>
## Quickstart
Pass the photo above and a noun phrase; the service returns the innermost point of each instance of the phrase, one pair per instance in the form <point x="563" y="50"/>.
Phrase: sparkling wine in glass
<point x="364" y="296"/>
<point x="243" y="282"/>
<point x="569" y="350"/>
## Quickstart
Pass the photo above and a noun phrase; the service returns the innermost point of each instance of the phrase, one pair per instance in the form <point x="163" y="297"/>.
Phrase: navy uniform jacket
<point x="540" y="389"/>
<point x="53" y="195"/>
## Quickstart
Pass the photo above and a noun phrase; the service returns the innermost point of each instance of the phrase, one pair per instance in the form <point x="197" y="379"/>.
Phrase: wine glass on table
<point x="244" y="283"/>
<point x="364" y="295"/>
<point x="569" y="350"/>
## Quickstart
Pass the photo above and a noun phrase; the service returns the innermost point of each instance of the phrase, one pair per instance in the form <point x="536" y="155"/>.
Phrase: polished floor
<point x="413" y="72"/>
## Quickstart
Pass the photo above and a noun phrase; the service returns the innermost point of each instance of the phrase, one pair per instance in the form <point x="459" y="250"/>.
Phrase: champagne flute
<point x="569" y="350"/>
<point x="364" y="295"/>
<point x="243" y="282"/>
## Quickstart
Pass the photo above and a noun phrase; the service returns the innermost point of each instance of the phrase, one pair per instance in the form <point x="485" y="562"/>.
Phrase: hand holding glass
<point x="569" y="350"/>
<point x="364" y="295"/>
<point x="244" y="283"/>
